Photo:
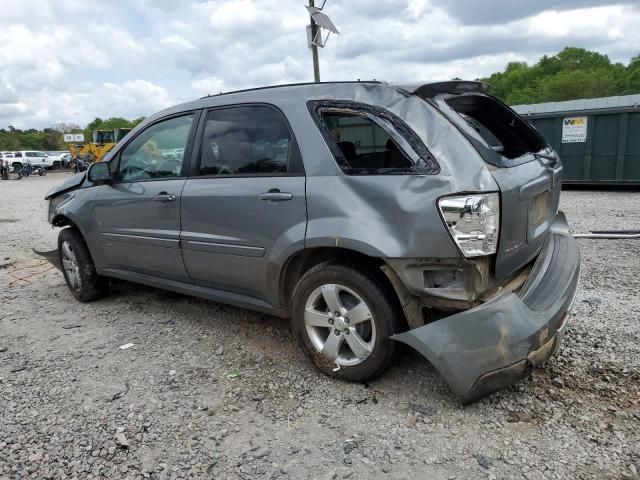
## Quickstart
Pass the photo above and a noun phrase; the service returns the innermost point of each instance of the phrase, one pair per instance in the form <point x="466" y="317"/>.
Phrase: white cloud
<point x="207" y="86"/>
<point x="73" y="60"/>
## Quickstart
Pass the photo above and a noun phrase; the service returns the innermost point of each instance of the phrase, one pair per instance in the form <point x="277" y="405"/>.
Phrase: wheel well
<point x="306" y="259"/>
<point x="62" y="221"/>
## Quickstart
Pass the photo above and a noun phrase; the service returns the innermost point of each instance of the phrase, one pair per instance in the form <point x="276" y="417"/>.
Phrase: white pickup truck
<point x="17" y="159"/>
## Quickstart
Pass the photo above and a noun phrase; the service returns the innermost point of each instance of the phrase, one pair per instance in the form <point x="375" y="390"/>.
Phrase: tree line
<point x="51" y="139"/>
<point x="569" y="75"/>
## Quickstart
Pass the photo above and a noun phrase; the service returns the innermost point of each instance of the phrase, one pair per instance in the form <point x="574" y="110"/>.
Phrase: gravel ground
<point x="210" y="391"/>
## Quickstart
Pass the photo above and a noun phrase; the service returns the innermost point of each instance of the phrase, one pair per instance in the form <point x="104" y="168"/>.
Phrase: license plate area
<point x="539" y="216"/>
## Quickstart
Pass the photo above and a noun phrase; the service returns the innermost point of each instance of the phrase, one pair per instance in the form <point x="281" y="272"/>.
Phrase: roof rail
<point x="293" y="85"/>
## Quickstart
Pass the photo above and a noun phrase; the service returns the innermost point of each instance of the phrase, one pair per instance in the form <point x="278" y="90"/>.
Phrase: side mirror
<point x="99" y="174"/>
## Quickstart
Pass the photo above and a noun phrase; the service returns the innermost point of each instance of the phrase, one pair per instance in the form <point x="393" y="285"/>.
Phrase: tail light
<point x="473" y="221"/>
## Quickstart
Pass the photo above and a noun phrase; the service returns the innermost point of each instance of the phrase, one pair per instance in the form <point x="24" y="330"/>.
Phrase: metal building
<point x="598" y="139"/>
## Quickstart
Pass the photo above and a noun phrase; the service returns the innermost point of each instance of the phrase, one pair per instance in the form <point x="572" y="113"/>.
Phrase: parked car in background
<point x="368" y="213"/>
<point x="65" y="160"/>
<point x="34" y="157"/>
<point x="57" y="158"/>
<point x="9" y="160"/>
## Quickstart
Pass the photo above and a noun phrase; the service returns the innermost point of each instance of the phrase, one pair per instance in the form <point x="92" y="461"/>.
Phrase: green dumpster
<point x="597" y="139"/>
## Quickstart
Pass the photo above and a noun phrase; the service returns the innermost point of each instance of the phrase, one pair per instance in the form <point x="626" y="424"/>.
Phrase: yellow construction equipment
<point x="103" y="141"/>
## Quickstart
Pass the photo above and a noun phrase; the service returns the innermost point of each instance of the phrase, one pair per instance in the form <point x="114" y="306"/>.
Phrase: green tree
<point x="570" y="74"/>
<point x="571" y="84"/>
<point x="51" y="138"/>
<point x="109" y="124"/>
<point x="632" y="77"/>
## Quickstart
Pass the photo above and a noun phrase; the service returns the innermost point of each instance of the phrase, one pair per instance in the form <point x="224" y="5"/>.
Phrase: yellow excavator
<point x="103" y="141"/>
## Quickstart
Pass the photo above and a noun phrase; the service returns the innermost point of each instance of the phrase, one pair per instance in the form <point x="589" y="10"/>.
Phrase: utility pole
<point x="319" y="21"/>
<point x="314" y="47"/>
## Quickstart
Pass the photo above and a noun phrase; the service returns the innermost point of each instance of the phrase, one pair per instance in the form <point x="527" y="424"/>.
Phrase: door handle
<point x="164" y="197"/>
<point x="275" y="195"/>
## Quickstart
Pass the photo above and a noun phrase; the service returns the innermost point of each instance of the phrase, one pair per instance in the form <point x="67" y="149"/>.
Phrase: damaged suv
<point x="370" y="214"/>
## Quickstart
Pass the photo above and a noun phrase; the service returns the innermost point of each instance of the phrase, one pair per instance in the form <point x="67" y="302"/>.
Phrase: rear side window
<point x="370" y="140"/>
<point x="364" y="144"/>
<point x="245" y="140"/>
<point x="501" y="128"/>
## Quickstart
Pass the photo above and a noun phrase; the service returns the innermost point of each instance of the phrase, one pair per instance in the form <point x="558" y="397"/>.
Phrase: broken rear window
<point x="369" y="140"/>
<point x="364" y="144"/>
<point x="499" y="126"/>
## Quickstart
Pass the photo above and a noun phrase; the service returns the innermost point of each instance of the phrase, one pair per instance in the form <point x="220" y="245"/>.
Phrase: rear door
<point x="138" y="217"/>
<point x="530" y="194"/>
<point x="245" y="203"/>
<point x="527" y="171"/>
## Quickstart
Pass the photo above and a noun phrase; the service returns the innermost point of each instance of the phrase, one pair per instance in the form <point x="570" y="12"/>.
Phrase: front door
<point x="138" y="217"/>
<point x="245" y="204"/>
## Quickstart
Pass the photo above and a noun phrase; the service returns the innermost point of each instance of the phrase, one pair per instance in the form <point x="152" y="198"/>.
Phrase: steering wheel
<point x="132" y="172"/>
<point x="224" y="169"/>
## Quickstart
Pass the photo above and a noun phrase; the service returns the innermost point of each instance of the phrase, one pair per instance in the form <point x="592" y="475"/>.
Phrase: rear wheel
<point x="343" y="317"/>
<point x="77" y="267"/>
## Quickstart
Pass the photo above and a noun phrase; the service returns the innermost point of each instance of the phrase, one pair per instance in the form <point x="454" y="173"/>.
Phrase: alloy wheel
<point x="70" y="265"/>
<point x="339" y="324"/>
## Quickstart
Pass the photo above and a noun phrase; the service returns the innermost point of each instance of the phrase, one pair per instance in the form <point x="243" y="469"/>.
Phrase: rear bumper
<point x="491" y="346"/>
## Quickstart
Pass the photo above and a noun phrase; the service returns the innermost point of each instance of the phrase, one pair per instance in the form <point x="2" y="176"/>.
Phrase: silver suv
<point x="370" y="214"/>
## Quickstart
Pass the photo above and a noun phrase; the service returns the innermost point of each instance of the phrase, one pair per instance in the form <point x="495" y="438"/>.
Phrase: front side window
<point x="31" y="154"/>
<point x="158" y="152"/>
<point x="245" y="140"/>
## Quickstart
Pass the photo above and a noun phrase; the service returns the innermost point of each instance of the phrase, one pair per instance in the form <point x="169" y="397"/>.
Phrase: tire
<point x="77" y="267"/>
<point x="354" y="286"/>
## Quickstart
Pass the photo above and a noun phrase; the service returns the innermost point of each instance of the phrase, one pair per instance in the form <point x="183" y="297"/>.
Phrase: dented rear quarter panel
<point x="392" y="216"/>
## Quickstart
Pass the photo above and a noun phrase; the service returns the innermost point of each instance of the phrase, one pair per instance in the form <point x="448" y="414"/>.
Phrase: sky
<point x="73" y="60"/>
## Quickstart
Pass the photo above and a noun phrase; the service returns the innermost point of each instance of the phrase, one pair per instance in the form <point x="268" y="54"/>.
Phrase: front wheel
<point x="77" y="267"/>
<point x="343" y="316"/>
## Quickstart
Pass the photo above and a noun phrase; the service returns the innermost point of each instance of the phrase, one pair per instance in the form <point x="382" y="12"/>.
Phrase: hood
<point x="69" y="184"/>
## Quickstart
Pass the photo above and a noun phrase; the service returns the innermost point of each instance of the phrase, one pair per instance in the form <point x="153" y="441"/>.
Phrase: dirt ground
<point x="210" y="391"/>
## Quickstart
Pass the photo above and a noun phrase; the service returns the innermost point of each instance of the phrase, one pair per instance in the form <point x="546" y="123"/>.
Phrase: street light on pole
<point x="314" y="33"/>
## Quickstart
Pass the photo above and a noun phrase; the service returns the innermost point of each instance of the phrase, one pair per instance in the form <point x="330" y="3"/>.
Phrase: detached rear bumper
<point x="491" y="346"/>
